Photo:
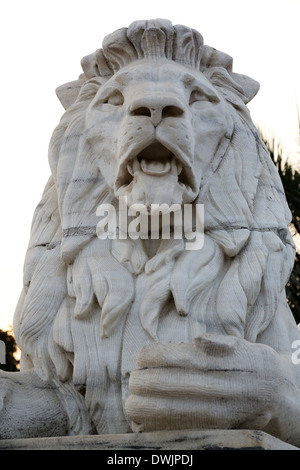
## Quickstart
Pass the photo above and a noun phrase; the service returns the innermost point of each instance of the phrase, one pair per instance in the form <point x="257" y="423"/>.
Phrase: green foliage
<point x="8" y="344"/>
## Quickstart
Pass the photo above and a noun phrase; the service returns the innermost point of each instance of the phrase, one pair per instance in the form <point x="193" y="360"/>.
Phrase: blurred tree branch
<point x="290" y="178"/>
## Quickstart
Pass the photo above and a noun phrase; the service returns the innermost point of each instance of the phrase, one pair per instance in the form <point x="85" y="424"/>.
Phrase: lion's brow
<point x="121" y="78"/>
<point x="189" y="80"/>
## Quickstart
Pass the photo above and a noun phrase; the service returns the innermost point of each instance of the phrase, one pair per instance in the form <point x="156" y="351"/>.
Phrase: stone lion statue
<point x="122" y="335"/>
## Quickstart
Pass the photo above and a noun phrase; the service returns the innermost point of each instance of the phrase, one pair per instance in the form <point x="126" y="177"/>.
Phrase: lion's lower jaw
<point x="148" y="189"/>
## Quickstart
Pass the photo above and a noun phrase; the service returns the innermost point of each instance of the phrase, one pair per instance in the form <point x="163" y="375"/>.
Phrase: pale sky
<point x="42" y="43"/>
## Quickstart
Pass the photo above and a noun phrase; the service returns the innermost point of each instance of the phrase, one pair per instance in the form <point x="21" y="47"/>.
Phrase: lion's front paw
<point x="29" y="407"/>
<point x="217" y="382"/>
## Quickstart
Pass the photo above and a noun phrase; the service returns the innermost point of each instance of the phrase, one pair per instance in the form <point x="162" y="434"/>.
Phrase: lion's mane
<point x="73" y="319"/>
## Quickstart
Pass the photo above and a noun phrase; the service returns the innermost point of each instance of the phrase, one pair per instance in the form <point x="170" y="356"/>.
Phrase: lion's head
<point x="158" y="117"/>
<point x="158" y="114"/>
<point x="149" y="128"/>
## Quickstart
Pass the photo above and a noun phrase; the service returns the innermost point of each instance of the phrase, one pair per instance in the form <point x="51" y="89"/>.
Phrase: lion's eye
<point x="115" y="98"/>
<point x="197" y="96"/>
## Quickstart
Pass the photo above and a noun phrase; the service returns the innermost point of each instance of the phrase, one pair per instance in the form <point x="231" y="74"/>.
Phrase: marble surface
<point x="155" y="442"/>
<point x="127" y="330"/>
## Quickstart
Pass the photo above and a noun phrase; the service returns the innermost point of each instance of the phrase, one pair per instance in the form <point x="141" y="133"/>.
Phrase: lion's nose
<point x="157" y="112"/>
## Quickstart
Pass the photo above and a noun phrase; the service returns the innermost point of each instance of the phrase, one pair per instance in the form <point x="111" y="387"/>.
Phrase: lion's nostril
<point x="141" y="111"/>
<point x="172" y="111"/>
<point x="157" y="113"/>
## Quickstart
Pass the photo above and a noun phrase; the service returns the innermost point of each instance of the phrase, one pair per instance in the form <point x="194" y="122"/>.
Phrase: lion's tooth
<point x="176" y="167"/>
<point x="133" y="166"/>
<point x="130" y="169"/>
<point x="136" y="165"/>
<point x="179" y="167"/>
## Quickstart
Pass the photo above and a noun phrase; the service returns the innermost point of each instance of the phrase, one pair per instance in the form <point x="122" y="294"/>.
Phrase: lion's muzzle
<point x="157" y="107"/>
<point x="155" y="160"/>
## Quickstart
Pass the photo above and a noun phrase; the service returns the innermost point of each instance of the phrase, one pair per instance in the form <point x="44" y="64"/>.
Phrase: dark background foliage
<point x="11" y="362"/>
<point x="290" y="177"/>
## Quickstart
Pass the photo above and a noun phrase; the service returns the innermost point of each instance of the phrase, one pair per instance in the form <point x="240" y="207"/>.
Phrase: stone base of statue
<point x="186" y="440"/>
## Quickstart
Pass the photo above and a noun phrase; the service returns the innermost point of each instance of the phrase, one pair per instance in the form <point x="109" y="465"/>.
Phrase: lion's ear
<point x="68" y="93"/>
<point x="249" y="86"/>
<point x="236" y="88"/>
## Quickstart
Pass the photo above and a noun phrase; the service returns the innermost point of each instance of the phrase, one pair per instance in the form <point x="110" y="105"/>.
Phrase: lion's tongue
<point x="155" y="167"/>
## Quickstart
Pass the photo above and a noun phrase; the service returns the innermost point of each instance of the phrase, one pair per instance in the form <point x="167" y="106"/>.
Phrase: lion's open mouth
<point x="156" y="174"/>
<point x="154" y="160"/>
